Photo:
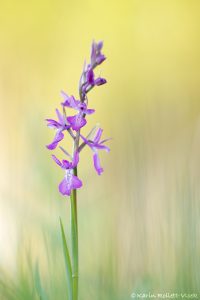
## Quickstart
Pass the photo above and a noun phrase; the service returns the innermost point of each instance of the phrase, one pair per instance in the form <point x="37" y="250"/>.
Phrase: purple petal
<point x="64" y="187"/>
<point x="77" y="121"/>
<point x="58" y="137"/>
<point x="89" y="111"/>
<point x="90" y="76"/>
<point x="96" y="56"/>
<point x="100" y="58"/>
<point x="57" y="160"/>
<point x="98" y="135"/>
<point x="95" y="144"/>
<point x="97" y="165"/>
<point x="59" y="115"/>
<point x="76" y="183"/>
<point x="53" y="124"/>
<point x="66" y="164"/>
<point x="99" y="45"/>
<point x="85" y="140"/>
<point x="101" y="147"/>
<point x="69" y="183"/>
<point x="100" y="81"/>
<point x="64" y="95"/>
<point x="69" y="101"/>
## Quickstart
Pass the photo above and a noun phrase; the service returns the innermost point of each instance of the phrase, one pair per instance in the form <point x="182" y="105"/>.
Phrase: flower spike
<point x="73" y="123"/>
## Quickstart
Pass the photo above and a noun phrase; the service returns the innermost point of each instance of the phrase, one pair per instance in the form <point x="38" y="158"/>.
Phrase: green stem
<point x="74" y="237"/>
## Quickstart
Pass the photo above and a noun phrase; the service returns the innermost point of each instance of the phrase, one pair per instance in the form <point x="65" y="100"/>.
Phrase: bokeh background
<point x="139" y="221"/>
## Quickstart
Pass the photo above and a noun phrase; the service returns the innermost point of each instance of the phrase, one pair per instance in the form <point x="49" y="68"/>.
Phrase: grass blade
<point x="40" y="291"/>
<point x="68" y="267"/>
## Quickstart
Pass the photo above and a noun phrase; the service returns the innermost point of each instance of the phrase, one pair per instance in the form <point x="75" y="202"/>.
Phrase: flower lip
<point x="70" y="181"/>
<point x="77" y="121"/>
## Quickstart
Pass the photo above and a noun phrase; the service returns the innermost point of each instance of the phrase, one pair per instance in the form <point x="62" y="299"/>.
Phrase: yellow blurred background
<point x="138" y="222"/>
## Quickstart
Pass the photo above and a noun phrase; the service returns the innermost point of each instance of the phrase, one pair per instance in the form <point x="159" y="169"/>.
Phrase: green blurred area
<point x="138" y="222"/>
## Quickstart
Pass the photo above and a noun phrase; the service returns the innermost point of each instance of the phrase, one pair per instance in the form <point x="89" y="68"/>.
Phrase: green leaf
<point x="68" y="266"/>
<point x="40" y="291"/>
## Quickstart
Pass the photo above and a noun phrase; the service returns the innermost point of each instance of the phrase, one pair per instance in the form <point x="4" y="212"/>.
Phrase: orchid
<point x="72" y="124"/>
<point x="87" y="80"/>
<point x="96" y="145"/>
<point x="60" y="125"/>
<point x="77" y="121"/>
<point x="90" y="80"/>
<point x="96" y="56"/>
<point x="70" y="181"/>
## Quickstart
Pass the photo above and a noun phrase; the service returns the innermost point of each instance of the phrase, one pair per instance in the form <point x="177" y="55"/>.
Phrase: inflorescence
<point x="73" y="124"/>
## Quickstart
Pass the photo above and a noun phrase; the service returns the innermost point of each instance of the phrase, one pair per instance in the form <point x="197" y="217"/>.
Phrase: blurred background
<point x="139" y="221"/>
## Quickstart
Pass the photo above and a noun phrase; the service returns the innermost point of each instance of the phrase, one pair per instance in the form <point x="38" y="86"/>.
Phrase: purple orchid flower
<point x="69" y="101"/>
<point x="96" y="145"/>
<point x="70" y="181"/>
<point x="88" y="81"/>
<point x="60" y="126"/>
<point x="91" y="81"/>
<point x="96" y="56"/>
<point x="78" y="121"/>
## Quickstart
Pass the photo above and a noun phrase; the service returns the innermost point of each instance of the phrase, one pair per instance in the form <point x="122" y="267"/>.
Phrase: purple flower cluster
<point x="72" y="124"/>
